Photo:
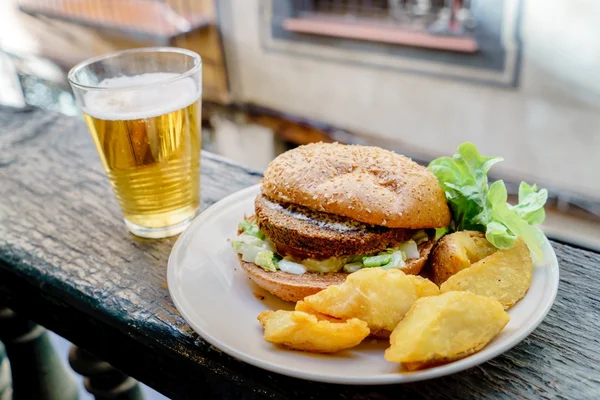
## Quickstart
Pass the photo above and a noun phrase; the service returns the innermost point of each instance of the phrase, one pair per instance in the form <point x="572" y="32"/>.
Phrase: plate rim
<point x="448" y="369"/>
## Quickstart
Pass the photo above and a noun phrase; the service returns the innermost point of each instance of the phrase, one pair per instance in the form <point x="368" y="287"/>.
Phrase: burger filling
<point x="255" y="247"/>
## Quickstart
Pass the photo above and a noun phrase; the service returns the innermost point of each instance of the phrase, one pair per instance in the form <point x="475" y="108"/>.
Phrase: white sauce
<point x="325" y="222"/>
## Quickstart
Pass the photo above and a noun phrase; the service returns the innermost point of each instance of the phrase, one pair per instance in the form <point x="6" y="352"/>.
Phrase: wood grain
<point x="67" y="262"/>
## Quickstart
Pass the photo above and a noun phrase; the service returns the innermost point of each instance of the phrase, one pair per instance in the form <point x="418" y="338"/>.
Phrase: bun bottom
<point x="290" y="287"/>
<point x="293" y="288"/>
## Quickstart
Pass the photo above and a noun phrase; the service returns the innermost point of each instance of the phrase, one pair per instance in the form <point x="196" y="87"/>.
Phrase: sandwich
<point x="326" y="210"/>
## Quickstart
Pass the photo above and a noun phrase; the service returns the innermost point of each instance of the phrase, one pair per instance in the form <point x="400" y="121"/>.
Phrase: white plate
<point x="214" y="295"/>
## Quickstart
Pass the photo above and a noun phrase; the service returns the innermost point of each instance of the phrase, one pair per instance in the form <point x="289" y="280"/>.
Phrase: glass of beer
<point x="143" y="110"/>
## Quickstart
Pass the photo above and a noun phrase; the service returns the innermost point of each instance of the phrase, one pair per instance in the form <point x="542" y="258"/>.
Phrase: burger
<point x="326" y="210"/>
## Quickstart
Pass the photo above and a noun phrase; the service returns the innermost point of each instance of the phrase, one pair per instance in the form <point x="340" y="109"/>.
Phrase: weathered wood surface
<point x="67" y="262"/>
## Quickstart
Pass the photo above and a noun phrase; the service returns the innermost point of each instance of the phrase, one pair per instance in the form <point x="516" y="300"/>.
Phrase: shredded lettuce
<point x="410" y="249"/>
<point x="420" y="237"/>
<point x="266" y="260"/>
<point x="388" y="258"/>
<point x="356" y="259"/>
<point x="251" y="228"/>
<point x="333" y="264"/>
<point x="246" y="239"/>
<point x="255" y="250"/>
<point x="377" y="261"/>
<point x="291" y="267"/>
<point x="269" y="245"/>
<point x="249" y="253"/>
<point x="477" y="206"/>
<point x="353" y="267"/>
<point x="397" y="260"/>
<point x="254" y="247"/>
<point x="440" y="232"/>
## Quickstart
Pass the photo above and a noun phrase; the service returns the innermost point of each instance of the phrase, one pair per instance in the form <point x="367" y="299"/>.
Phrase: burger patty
<point x="319" y="235"/>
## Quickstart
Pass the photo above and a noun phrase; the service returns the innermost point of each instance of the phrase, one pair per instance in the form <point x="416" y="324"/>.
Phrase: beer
<point x="149" y="145"/>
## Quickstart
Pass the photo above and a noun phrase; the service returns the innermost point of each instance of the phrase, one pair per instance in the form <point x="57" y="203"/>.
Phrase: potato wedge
<point x="424" y="286"/>
<point x="377" y="296"/>
<point x="302" y="306"/>
<point x="456" y="252"/>
<point x="301" y="331"/>
<point x="504" y="276"/>
<point x="439" y="329"/>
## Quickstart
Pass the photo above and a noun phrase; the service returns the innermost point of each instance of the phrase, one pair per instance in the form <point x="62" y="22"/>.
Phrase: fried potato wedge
<point x="301" y="331"/>
<point x="302" y="306"/>
<point x="458" y="251"/>
<point x="439" y="329"/>
<point x="424" y="286"/>
<point x="380" y="297"/>
<point x="504" y="276"/>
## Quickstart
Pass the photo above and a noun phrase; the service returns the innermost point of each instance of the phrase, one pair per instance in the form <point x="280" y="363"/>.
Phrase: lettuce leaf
<point x="464" y="180"/>
<point x="251" y="228"/>
<point x="531" y="204"/>
<point x="377" y="261"/>
<point x="477" y="206"/>
<point x="266" y="260"/>
<point x="503" y="217"/>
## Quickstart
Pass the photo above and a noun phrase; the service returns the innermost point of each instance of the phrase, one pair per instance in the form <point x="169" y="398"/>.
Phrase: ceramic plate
<point x="214" y="295"/>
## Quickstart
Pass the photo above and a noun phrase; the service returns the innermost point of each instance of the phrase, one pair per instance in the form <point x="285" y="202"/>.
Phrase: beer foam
<point x="140" y="102"/>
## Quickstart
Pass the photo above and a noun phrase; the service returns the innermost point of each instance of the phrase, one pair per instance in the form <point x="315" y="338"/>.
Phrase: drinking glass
<point x="143" y="110"/>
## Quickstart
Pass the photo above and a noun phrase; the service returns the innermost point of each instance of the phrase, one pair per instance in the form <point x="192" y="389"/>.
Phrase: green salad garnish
<point x="475" y="205"/>
<point x="377" y="261"/>
<point x="251" y="228"/>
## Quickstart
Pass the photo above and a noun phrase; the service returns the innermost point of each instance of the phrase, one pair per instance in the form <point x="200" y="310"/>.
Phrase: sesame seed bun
<point x="367" y="184"/>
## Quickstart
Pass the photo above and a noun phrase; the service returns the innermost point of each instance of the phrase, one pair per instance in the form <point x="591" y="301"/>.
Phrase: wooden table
<point x="67" y="262"/>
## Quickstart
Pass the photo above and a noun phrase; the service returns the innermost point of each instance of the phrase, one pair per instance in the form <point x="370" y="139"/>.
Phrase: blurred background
<point x="519" y="78"/>
<point x="516" y="77"/>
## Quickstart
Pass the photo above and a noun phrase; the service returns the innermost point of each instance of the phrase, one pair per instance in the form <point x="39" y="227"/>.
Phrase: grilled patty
<point x="300" y="230"/>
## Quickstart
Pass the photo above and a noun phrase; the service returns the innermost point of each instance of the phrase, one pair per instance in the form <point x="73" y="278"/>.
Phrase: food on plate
<point x="477" y="206"/>
<point x="304" y="307"/>
<point x="439" y="329"/>
<point x="504" y="275"/>
<point x="326" y="210"/>
<point x="301" y="331"/>
<point x="457" y="251"/>
<point x="380" y="297"/>
<point x="344" y="231"/>
<point x="423" y="286"/>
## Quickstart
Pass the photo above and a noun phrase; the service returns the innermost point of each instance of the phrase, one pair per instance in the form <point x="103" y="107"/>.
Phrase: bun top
<point x="367" y="184"/>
